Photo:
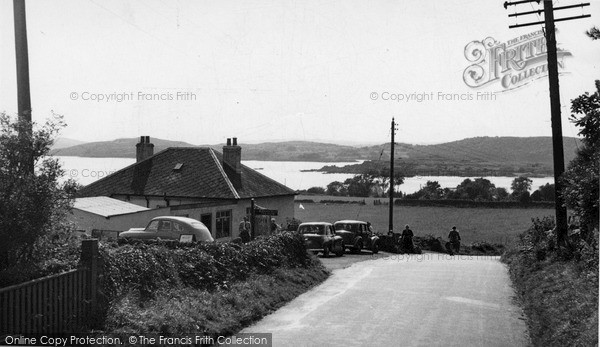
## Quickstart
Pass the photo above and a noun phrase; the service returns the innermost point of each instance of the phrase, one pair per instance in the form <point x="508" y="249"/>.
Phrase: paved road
<point x="400" y="300"/>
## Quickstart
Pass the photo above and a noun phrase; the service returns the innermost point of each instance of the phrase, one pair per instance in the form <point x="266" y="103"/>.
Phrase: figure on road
<point x="407" y="240"/>
<point x="370" y="228"/>
<point x="245" y="228"/>
<point x="453" y="246"/>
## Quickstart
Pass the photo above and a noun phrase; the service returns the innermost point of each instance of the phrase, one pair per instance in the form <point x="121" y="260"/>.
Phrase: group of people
<point x="245" y="229"/>
<point x="452" y="246"/>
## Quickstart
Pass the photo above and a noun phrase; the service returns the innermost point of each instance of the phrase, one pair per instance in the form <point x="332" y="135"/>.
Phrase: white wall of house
<point x="283" y="204"/>
<point x="86" y="221"/>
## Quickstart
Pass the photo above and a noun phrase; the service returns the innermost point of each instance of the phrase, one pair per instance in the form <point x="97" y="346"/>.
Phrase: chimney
<point x="232" y="162"/>
<point x="144" y="149"/>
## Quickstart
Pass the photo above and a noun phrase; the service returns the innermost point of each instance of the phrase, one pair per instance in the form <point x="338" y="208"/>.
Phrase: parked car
<point x="356" y="235"/>
<point x="170" y="228"/>
<point x="321" y="237"/>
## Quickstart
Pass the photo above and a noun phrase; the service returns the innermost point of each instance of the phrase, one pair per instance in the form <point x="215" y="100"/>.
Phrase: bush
<point x="144" y="267"/>
<point x="33" y="203"/>
<point x="558" y="289"/>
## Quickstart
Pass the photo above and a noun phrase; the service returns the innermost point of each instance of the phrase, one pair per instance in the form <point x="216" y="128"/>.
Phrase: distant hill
<point x="476" y="156"/>
<point x="119" y="148"/>
<point x="63" y="142"/>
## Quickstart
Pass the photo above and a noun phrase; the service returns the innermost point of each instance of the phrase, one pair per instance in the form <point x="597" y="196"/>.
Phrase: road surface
<point x="400" y="300"/>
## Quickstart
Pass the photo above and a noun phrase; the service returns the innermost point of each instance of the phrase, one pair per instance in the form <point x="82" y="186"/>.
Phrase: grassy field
<point x="475" y="224"/>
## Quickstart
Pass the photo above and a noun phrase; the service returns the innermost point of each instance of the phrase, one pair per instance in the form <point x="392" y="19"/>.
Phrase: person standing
<point x="454" y="238"/>
<point x="407" y="239"/>
<point x="245" y="228"/>
<point x="274" y="226"/>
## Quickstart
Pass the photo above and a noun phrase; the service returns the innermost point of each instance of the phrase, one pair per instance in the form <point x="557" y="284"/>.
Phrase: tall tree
<point x="581" y="179"/>
<point x="32" y="205"/>
<point x="336" y="188"/>
<point x="520" y="186"/>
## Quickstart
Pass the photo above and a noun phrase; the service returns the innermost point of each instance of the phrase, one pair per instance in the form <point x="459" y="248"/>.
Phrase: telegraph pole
<point x="23" y="94"/>
<point x="557" y="139"/>
<point x="392" y="181"/>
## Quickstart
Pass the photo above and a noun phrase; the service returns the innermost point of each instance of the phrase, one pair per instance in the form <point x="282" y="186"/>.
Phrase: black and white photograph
<point x="299" y="173"/>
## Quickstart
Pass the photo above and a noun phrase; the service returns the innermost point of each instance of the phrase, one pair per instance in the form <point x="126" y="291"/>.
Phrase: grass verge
<point x="559" y="296"/>
<point x="224" y="311"/>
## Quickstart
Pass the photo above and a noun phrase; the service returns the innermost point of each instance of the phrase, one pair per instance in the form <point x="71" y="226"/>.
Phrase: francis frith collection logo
<point x="512" y="64"/>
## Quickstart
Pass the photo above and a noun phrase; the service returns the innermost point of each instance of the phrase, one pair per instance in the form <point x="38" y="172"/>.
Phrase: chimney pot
<point x="144" y="149"/>
<point x="232" y="162"/>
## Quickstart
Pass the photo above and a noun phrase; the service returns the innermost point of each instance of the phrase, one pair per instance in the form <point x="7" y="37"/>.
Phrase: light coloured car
<point x="170" y="228"/>
<point x="320" y="237"/>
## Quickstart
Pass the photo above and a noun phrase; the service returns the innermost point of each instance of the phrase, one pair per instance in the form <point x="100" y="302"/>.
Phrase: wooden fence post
<point x="89" y="259"/>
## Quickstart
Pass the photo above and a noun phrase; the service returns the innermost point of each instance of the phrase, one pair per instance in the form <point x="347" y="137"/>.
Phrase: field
<point x="475" y="224"/>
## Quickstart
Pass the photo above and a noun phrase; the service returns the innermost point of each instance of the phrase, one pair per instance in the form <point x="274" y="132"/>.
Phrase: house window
<point x="223" y="224"/>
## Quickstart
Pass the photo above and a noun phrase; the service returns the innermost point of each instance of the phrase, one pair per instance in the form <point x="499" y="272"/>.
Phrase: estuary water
<point x="87" y="170"/>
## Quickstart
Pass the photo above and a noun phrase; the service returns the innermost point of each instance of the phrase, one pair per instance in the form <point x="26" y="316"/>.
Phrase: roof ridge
<point x="222" y="171"/>
<point x="268" y="178"/>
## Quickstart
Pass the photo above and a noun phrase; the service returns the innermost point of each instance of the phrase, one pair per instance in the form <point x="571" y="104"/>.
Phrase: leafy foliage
<point x="146" y="266"/>
<point x="520" y="186"/>
<point x="559" y="295"/>
<point x="581" y="179"/>
<point x="33" y="205"/>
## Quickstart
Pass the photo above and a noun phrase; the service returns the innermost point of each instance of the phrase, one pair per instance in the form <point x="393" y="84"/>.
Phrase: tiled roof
<point x="105" y="206"/>
<point x="201" y="176"/>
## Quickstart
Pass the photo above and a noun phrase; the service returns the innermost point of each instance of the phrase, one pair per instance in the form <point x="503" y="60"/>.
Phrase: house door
<point x="206" y="219"/>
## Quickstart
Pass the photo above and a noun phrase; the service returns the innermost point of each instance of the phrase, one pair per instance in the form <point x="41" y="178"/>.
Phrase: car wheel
<point x="375" y="248"/>
<point x="358" y="247"/>
<point x="325" y="252"/>
<point x="341" y="251"/>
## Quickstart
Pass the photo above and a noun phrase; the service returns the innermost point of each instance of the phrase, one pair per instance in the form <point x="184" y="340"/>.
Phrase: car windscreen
<point x="312" y="229"/>
<point x="152" y="226"/>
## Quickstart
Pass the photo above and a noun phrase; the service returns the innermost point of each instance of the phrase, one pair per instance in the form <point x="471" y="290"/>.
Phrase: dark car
<point x="170" y="228"/>
<point x="356" y="235"/>
<point x="320" y="237"/>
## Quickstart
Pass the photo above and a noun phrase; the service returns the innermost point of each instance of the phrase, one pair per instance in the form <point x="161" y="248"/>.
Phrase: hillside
<point x="63" y="142"/>
<point x="478" y="156"/>
<point x="119" y="148"/>
<point x="276" y="151"/>
<point x="472" y="156"/>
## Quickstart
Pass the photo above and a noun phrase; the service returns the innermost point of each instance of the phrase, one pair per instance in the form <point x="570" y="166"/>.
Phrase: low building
<point x="102" y="213"/>
<point x="196" y="182"/>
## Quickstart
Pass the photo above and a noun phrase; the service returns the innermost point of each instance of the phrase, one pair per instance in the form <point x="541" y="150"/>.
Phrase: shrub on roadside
<point x="558" y="293"/>
<point x="187" y="310"/>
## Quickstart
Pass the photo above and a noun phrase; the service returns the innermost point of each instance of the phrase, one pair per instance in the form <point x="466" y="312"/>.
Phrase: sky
<point x="267" y="71"/>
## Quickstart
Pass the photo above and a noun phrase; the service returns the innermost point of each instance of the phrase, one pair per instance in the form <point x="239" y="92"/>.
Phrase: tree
<point x="336" y="188"/>
<point x="520" y="185"/>
<point x="32" y="205"/>
<point x="359" y="185"/>
<point x="593" y="33"/>
<point x="316" y="190"/>
<point x="478" y="189"/>
<point x="546" y="192"/>
<point x="501" y="194"/>
<point x="581" y="178"/>
<point x="381" y="178"/>
<point x="431" y="190"/>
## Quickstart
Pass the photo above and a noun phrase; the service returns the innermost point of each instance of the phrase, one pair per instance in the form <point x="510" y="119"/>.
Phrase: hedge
<point x="145" y="266"/>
